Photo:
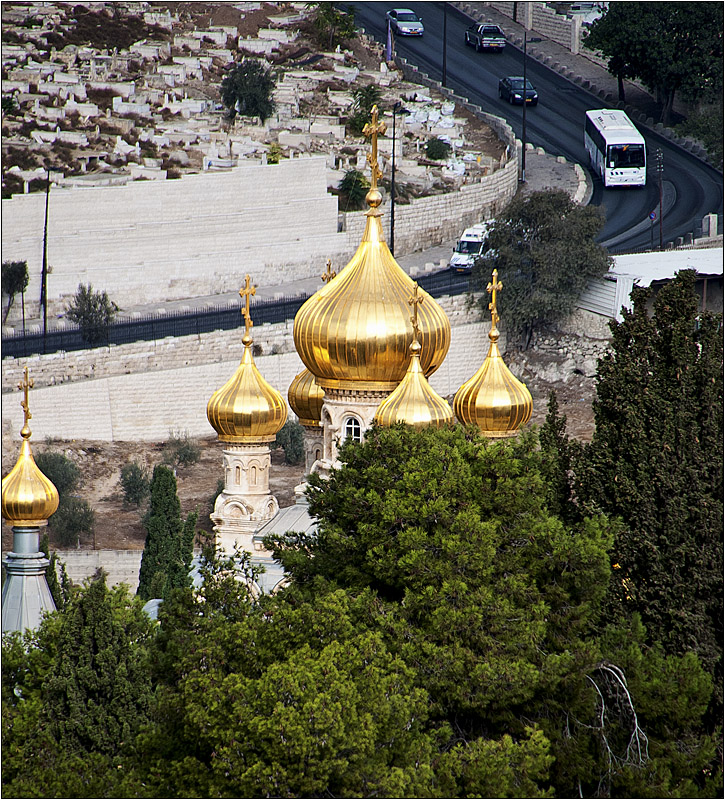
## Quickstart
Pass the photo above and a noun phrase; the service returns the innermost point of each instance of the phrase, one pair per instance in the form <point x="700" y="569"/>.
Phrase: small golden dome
<point x="306" y="398"/>
<point x="355" y="332"/>
<point x="246" y="409"/>
<point x="28" y="497"/>
<point x="494" y="399"/>
<point x="414" y="401"/>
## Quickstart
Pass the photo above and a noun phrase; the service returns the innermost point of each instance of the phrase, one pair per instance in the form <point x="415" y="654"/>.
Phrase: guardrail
<point x="190" y="323"/>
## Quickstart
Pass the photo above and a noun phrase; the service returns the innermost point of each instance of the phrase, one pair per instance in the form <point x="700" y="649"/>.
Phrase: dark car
<point x="485" y="37"/>
<point x="405" y="22"/>
<point x="512" y="89"/>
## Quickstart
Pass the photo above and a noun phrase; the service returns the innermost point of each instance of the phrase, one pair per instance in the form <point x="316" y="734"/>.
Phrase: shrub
<point x="135" y="483"/>
<point x="355" y="187"/>
<point x="363" y="100"/>
<point x="291" y="440"/>
<point x="73" y="518"/>
<point x="274" y="153"/>
<point x="437" y="149"/>
<point x="14" y="281"/>
<point x="64" y="473"/>
<point x="93" y="312"/>
<point x="247" y="90"/>
<point x="180" y="451"/>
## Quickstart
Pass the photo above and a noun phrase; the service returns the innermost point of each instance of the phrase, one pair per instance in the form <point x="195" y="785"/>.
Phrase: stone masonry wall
<point x="535" y="17"/>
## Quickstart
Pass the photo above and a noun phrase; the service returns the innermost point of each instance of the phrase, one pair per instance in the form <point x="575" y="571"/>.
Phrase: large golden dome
<point x="413" y="400"/>
<point x="247" y="409"/>
<point x="494" y="399"/>
<point x="306" y="398"/>
<point x="28" y="497"/>
<point x="355" y="332"/>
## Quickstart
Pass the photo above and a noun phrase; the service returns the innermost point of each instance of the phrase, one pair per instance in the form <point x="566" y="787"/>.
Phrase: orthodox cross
<point x="415" y="301"/>
<point x="25" y="385"/>
<point x="492" y="288"/>
<point x="372" y="129"/>
<point x="330" y="274"/>
<point x="245" y="293"/>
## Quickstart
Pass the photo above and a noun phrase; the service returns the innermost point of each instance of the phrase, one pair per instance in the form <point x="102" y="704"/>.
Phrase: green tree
<point x="544" y="248"/>
<point x="180" y="450"/>
<point x="354" y="186"/>
<point x="671" y="47"/>
<point x="333" y="25"/>
<point x="75" y="693"/>
<point x="363" y="100"/>
<point x="247" y="90"/>
<point x="135" y="483"/>
<point x="449" y="546"/>
<point x="74" y="516"/>
<point x="93" y="312"/>
<point x="165" y="562"/>
<point x="292" y="440"/>
<point x="14" y="281"/>
<point x="656" y="461"/>
<point x="437" y="149"/>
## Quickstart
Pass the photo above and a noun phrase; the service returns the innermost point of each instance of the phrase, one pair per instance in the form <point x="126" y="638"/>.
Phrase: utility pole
<point x="44" y="276"/>
<point x="523" y="110"/>
<point x="445" y="41"/>
<point x="660" y="169"/>
<point x="396" y="109"/>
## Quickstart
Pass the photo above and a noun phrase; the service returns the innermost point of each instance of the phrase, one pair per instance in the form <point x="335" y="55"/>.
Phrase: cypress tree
<point x="656" y="461"/>
<point x="98" y="692"/>
<point x="164" y="562"/>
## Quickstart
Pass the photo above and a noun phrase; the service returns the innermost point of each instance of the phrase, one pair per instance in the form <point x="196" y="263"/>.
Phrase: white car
<point x="405" y="22"/>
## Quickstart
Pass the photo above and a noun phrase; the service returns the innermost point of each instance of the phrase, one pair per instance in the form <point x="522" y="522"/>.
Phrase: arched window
<point x="253" y="482"/>
<point x="318" y="454"/>
<point x="237" y="475"/>
<point x="353" y="430"/>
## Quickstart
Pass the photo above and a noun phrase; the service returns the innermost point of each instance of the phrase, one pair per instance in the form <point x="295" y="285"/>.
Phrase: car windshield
<point x="519" y="84"/>
<point x="626" y="155"/>
<point x="470" y="248"/>
<point x="407" y="17"/>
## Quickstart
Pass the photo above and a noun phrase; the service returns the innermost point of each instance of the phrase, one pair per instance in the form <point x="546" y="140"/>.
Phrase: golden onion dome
<point x="494" y="399"/>
<point x="355" y="332"/>
<point x="28" y="497"/>
<point x="306" y="398"/>
<point x="413" y="400"/>
<point x="246" y="409"/>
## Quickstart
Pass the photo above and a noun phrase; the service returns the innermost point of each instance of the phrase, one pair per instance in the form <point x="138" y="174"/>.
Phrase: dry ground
<point x="118" y="525"/>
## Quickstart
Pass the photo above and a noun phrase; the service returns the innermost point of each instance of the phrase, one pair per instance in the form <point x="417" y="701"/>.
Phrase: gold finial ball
<point x="247" y="339"/>
<point x="373" y="198"/>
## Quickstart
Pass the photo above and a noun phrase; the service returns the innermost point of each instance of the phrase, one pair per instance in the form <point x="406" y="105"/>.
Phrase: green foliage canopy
<point x="14" y="281"/>
<point x="167" y="556"/>
<point x="544" y="248"/>
<point x="333" y="26"/>
<point x="656" y="461"/>
<point x="93" y="311"/>
<point x="247" y="90"/>
<point x="671" y="47"/>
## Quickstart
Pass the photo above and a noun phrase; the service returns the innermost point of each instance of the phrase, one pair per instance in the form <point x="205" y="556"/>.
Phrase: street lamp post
<point x="660" y="170"/>
<point x="523" y="112"/>
<point x="445" y="42"/>
<point x="396" y="109"/>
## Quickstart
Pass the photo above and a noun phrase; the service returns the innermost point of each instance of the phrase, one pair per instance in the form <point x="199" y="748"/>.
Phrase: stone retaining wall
<point x="121" y="566"/>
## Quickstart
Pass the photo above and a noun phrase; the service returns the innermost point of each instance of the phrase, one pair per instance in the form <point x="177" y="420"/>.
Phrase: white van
<point x="471" y="245"/>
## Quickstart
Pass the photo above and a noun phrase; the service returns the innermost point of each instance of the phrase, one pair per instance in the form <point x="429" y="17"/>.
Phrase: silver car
<point x="405" y="22"/>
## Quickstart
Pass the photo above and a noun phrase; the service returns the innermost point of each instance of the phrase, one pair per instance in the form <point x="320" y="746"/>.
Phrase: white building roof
<point x="646" y="268"/>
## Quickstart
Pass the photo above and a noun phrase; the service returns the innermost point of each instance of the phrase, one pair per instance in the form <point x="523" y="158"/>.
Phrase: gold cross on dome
<point x="25" y="385"/>
<point x="245" y="293"/>
<point x="492" y="288"/>
<point x="330" y="274"/>
<point x="415" y="301"/>
<point x="372" y="129"/>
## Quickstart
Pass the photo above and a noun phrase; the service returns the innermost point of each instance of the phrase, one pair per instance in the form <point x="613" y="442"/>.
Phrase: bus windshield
<point x="625" y="155"/>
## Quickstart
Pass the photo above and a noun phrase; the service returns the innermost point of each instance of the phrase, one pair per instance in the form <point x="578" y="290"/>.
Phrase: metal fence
<point x="188" y="323"/>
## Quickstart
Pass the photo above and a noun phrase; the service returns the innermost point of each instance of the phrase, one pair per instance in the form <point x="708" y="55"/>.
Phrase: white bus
<point x="616" y="148"/>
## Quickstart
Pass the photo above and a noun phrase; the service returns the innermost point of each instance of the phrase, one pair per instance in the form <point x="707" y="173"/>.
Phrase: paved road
<point x="691" y="188"/>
